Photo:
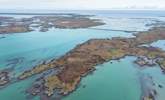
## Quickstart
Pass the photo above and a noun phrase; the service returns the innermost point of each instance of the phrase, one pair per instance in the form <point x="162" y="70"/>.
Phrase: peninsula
<point x="84" y="57"/>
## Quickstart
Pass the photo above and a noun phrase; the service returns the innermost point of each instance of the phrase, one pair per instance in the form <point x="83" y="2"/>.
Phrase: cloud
<point x="80" y="4"/>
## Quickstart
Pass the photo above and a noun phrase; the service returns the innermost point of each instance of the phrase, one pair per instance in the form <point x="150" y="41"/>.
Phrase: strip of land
<point x="84" y="57"/>
<point x="44" y="23"/>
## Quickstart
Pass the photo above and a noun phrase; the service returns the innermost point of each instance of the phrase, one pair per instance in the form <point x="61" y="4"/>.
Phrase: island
<point x="44" y="23"/>
<point x="82" y="60"/>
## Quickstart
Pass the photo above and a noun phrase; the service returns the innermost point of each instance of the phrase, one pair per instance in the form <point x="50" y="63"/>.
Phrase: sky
<point x="81" y="4"/>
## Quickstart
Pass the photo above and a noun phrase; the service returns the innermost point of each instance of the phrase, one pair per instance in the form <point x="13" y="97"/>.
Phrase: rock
<point x="144" y="61"/>
<point x="160" y="86"/>
<point x="4" y="78"/>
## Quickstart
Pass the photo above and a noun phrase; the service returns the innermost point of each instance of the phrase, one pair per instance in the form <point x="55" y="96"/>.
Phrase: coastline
<point x="10" y="25"/>
<point x="62" y="65"/>
<point x="89" y="49"/>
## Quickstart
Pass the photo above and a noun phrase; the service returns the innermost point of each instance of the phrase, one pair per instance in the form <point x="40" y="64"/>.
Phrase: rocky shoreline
<point x="84" y="57"/>
<point x="144" y="61"/>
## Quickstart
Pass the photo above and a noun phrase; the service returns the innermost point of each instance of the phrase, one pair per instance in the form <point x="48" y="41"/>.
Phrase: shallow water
<point x="160" y="44"/>
<point x="115" y="81"/>
<point x="158" y="78"/>
<point x="118" y="80"/>
<point x="34" y="47"/>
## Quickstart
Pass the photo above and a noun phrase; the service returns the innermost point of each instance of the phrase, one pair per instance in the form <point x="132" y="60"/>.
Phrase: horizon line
<point x="86" y="9"/>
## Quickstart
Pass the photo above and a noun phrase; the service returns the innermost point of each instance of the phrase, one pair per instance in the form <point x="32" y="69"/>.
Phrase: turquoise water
<point x="34" y="47"/>
<point x="116" y="81"/>
<point x="16" y="91"/>
<point x="158" y="78"/>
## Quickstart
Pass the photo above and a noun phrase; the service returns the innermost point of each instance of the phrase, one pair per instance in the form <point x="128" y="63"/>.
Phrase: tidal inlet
<point x="75" y="54"/>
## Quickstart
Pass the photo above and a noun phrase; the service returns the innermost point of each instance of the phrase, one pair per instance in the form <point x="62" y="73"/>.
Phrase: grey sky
<point x="80" y="4"/>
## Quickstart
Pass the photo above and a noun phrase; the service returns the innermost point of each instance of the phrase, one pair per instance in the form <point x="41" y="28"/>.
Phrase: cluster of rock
<point x="4" y="78"/>
<point x="144" y="61"/>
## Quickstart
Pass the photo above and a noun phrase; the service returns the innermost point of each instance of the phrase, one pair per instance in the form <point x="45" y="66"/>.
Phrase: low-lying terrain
<point x="44" y="23"/>
<point x="84" y="57"/>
